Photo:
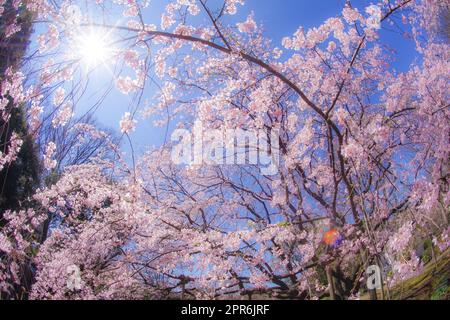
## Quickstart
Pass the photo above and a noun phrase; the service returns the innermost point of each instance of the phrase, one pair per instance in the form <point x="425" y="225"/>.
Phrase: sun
<point x="94" y="48"/>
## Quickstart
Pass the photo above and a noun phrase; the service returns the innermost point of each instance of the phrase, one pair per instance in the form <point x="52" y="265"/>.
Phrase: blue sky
<point x="279" y="19"/>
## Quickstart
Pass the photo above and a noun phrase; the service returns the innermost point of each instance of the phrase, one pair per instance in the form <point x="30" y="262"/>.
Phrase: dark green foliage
<point x="12" y="49"/>
<point x="19" y="179"/>
<point x="427" y="254"/>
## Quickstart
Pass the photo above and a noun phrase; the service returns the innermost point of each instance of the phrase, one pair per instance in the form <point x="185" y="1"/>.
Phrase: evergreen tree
<point x="18" y="179"/>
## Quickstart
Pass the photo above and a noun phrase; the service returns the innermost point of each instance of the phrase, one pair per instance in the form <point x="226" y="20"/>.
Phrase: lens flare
<point x="332" y="238"/>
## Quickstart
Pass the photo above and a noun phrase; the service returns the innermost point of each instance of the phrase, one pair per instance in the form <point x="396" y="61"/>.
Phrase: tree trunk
<point x="331" y="282"/>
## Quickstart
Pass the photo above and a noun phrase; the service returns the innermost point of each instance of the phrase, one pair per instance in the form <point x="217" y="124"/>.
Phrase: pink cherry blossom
<point x="127" y="124"/>
<point x="361" y="148"/>
<point x="248" y="26"/>
<point x="49" y="162"/>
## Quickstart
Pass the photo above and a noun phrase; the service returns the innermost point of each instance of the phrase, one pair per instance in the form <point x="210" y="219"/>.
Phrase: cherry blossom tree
<point x="364" y="153"/>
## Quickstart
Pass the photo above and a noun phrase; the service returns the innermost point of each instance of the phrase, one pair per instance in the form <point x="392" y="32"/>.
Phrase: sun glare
<point x="94" y="49"/>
